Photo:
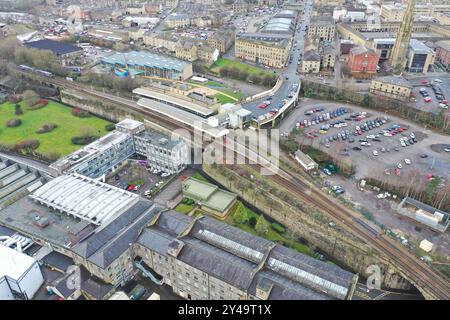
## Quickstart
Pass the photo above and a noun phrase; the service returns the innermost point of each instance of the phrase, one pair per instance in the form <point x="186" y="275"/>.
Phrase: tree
<point x="240" y="215"/>
<point x="8" y="47"/>
<point x="367" y="100"/>
<point x="252" y="222"/>
<point x="262" y="226"/>
<point x="30" y="97"/>
<point x="17" y="109"/>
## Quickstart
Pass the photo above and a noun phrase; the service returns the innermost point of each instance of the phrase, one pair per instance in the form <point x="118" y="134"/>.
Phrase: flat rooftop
<point x="182" y="116"/>
<point x="169" y="98"/>
<point x="14" y="263"/>
<point x="98" y="146"/>
<point x="20" y="217"/>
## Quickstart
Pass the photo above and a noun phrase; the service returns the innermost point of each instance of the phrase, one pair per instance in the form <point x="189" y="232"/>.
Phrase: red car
<point x="262" y="106"/>
<point x="427" y="99"/>
<point x="424" y="82"/>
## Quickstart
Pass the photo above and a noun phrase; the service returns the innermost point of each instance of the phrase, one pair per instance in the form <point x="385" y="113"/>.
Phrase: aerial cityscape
<point x="224" y="150"/>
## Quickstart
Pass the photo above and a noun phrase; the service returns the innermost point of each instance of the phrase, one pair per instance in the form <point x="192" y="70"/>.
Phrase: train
<point x="35" y="70"/>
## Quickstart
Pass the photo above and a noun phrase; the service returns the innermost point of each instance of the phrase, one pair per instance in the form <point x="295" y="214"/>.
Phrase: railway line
<point x="417" y="271"/>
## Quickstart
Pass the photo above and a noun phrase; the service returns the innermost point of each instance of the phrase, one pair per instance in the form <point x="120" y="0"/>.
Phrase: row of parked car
<point x="321" y="118"/>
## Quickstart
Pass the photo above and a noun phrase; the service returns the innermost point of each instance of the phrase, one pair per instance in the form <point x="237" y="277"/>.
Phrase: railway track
<point x="416" y="270"/>
<point x="420" y="273"/>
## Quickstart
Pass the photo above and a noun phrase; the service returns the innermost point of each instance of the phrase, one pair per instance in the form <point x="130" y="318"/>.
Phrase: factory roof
<point x="233" y="255"/>
<point x="279" y="25"/>
<point x="104" y="236"/>
<point x="57" y="47"/>
<point x="84" y="198"/>
<point x="14" y="263"/>
<point x="281" y="40"/>
<point x="146" y="59"/>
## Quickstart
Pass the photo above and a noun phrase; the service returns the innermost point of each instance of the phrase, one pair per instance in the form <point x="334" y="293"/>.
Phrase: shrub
<point x="278" y="228"/>
<point x="15" y="98"/>
<point x="252" y="222"/>
<point x="40" y="104"/>
<point x="46" y="128"/>
<point x="28" y="144"/>
<point x="110" y="127"/>
<point x="14" y="123"/>
<point x="77" y="112"/>
<point x="18" y="109"/>
<point x="83" y="140"/>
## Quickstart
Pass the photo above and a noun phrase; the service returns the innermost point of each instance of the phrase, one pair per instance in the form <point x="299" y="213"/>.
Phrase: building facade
<point x="272" y="51"/>
<point x="322" y="28"/>
<point x="419" y="57"/>
<point x="98" y="158"/>
<point x="311" y="62"/>
<point x="443" y="53"/>
<point x="391" y="87"/>
<point x="363" y="62"/>
<point x="221" y="40"/>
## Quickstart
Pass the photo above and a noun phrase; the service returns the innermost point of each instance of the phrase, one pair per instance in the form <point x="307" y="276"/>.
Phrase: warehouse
<point x="64" y="51"/>
<point x="151" y="64"/>
<point x="212" y="261"/>
<point x="20" y="275"/>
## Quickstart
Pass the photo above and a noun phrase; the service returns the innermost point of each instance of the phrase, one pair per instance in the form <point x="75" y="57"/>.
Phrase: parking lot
<point x="139" y="179"/>
<point x="375" y="151"/>
<point x="432" y="95"/>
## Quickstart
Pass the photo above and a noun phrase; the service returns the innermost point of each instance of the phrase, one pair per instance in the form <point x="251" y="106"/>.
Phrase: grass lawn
<point x="222" y="62"/>
<point x="224" y="99"/>
<point x="184" y="208"/>
<point x="58" y="140"/>
<point x="197" y="175"/>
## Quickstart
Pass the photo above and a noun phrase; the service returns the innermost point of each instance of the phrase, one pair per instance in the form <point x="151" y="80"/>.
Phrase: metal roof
<point x="146" y="59"/>
<point x="84" y="198"/>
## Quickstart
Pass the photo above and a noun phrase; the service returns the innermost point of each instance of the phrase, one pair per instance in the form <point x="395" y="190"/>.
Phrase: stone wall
<point x="305" y="221"/>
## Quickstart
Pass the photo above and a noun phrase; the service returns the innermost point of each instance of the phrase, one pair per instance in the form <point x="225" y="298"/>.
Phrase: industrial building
<point x="17" y="180"/>
<point x="112" y="234"/>
<point x="99" y="158"/>
<point x="20" y="275"/>
<point x="268" y="49"/>
<point x="203" y="258"/>
<point x="435" y="219"/>
<point x="150" y="64"/>
<point x="392" y="87"/>
<point x="63" y="51"/>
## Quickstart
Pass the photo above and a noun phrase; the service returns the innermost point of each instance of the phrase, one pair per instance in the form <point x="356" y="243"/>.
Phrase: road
<point x="290" y="72"/>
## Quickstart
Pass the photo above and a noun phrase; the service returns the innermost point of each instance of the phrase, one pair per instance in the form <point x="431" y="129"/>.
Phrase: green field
<point x="56" y="141"/>
<point x="223" y="62"/>
<point x="184" y="208"/>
